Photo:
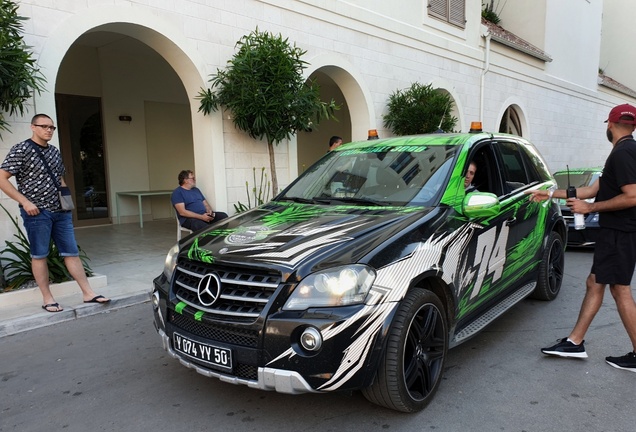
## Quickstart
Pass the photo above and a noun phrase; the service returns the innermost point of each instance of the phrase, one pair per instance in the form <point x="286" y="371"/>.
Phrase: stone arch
<point x="458" y="108"/>
<point x="181" y="55"/>
<point x="358" y="115"/>
<point x="513" y="115"/>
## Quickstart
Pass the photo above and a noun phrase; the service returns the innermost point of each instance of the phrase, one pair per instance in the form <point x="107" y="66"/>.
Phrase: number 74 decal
<point x="490" y="256"/>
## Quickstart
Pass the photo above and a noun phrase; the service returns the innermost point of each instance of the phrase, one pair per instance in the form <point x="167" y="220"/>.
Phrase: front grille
<point x="234" y="336"/>
<point x="245" y="371"/>
<point x="243" y="293"/>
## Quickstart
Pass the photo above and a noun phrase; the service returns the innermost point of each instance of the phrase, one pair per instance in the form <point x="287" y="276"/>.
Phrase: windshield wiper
<point x="299" y="200"/>
<point x="361" y="200"/>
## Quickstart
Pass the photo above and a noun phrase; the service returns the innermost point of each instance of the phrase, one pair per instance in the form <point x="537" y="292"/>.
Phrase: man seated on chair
<point x="193" y="210"/>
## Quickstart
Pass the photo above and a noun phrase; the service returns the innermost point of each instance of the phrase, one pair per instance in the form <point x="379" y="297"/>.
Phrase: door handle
<point x="511" y="221"/>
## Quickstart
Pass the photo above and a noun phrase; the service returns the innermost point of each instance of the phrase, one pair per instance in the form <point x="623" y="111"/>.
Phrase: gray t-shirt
<point x="32" y="177"/>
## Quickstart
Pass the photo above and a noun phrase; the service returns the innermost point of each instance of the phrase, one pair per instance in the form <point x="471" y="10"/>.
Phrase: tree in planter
<point x="419" y="109"/>
<point x="264" y="89"/>
<point x="19" y="76"/>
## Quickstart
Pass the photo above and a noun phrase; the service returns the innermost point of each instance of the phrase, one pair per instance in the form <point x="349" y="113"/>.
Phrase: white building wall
<point x="563" y="109"/>
<point x="618" y="52"/>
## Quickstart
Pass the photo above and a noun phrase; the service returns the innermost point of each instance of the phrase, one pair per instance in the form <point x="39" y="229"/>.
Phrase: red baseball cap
<point x="622" y="110"/>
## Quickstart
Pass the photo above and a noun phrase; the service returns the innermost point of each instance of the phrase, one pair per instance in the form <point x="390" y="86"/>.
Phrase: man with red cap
<point x="615" y="251"/>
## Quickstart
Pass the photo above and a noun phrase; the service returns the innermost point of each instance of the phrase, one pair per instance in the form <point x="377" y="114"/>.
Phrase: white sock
<point x="570" y="340"/>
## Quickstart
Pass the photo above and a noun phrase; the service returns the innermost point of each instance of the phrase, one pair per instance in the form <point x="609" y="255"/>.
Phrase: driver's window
<point x="486" y="177"/>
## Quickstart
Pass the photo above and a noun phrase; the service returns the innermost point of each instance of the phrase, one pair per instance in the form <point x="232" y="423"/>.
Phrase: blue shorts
<point x="47" y="225"/>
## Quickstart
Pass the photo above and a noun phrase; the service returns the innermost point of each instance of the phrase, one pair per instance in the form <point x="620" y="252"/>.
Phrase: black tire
<point x="411" y="368"/>
<point x="551" y="269"/>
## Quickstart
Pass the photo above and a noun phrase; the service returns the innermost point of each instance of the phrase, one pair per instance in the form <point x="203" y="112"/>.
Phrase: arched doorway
<point x="355" y="117"/>
<point x="511" y="122"/>
<point x="313" y="145"/>
<point x="124" y="122"/>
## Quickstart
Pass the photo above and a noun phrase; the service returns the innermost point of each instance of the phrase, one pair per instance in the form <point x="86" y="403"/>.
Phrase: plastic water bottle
<point x="579" y="218"/>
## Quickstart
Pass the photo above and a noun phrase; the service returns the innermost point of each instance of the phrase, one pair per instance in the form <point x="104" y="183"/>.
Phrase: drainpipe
<point x="482" y="89"/>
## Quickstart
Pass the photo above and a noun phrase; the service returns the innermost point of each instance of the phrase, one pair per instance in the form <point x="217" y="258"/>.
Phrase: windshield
<point x="384" y="176"/>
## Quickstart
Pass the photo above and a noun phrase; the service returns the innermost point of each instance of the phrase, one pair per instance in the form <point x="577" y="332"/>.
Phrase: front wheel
<point x="411" y="368"/>
<point x="551" y="269"/>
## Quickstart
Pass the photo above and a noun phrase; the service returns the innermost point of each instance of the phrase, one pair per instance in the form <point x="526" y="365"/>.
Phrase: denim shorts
<point x="47" y="225"/>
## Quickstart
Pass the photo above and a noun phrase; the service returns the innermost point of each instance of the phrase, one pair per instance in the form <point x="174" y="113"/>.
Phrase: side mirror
<point x="481" y="204"/>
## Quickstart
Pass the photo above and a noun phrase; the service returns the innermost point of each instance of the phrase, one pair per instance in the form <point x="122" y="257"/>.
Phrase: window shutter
<point x="438" y="8"/>
<point x="451" y="11"/>
<point x="457" y="14"/>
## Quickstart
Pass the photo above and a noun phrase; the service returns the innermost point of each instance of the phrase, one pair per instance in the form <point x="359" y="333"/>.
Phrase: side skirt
<point x="476" y="326"/>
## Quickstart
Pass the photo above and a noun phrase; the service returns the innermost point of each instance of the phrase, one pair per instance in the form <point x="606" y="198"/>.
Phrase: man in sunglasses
<point x="44" y="219"/>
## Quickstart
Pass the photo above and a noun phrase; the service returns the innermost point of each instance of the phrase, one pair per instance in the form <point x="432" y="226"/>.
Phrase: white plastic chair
<point x="180" y="228"/>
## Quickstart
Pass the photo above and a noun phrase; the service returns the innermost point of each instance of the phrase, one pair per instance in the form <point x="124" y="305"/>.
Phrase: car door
<point x="486" y="254"/>
<point x="503" y="248"/>
<point x="520" y="170"/>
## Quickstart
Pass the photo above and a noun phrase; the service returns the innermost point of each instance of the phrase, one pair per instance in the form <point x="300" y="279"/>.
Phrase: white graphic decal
<point x="389" y="288"/>
<point x="490" y="256"/>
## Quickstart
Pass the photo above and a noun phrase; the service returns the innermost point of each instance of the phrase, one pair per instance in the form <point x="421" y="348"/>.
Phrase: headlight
<point x="171" y="261"/>
<point x="340" y="286"/>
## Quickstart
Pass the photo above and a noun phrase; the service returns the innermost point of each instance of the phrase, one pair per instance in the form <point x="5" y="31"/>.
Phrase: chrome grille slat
<point x="244" y="293"/>
<point x="217" y="311"/>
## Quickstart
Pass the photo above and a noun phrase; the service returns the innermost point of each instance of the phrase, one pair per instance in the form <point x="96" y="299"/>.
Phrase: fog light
<point x="155" y="300"/>
<point x="311" y="339"/>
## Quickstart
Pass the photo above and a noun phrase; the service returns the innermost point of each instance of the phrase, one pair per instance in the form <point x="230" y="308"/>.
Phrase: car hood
<point x="291" y="235"/>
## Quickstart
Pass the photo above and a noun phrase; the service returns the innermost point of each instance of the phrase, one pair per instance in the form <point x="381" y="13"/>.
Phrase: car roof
<point x="592" y="170"/>
<point x="435" y="139"/>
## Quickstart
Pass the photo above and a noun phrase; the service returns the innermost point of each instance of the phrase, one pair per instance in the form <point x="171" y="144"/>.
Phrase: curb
<point x="43" y="319"/>
<point x="32" y="295"/>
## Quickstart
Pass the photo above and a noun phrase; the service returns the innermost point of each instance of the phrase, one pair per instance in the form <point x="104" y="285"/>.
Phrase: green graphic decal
<point x="198" y="316"/>
<point x="179" y="307"/>
<point x="521" y="259"/>
<point x="200" y="254"/>
<point x="291" y="213"/>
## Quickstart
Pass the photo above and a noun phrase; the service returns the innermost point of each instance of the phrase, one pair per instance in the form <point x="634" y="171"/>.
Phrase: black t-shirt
<point x="619" y="170"/>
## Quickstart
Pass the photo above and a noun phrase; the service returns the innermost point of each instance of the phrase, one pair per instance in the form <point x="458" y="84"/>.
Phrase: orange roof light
<point x="475" y="126"/>
<point x="373" y="134"/>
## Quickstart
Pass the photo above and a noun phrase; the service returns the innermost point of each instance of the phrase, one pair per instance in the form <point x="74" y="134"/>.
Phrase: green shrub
<point x="420" y="109"/>
<point x="15" y="261"/>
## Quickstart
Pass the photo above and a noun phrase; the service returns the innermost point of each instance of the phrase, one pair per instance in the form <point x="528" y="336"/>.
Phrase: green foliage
<point x="488" y="12"/>
<point x="19" y="75"/>
<point x="418" y="110"/>
<point x="16" y="260"/>
<point x="264" y="89"/>
<point x="261" y="195"/>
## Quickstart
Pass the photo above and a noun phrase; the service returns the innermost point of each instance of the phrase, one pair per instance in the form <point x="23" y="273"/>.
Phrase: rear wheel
<point x="550" y="269"/>
<point x="413" y="362"/>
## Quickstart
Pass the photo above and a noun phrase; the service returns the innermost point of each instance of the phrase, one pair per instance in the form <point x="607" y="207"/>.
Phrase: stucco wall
<point x="368" y="54"/>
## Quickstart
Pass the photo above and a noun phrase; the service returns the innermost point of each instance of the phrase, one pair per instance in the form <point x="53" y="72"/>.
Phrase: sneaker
<point x="565" y="348"/>
<point x="626" y="362"/>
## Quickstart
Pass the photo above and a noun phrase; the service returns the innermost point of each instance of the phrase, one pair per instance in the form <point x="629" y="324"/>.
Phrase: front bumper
<point x="281" y="381"/>
<point x="267" y="353"/>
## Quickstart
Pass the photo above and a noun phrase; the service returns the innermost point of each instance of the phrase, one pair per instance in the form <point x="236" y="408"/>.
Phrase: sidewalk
<point x="125" y="259"/>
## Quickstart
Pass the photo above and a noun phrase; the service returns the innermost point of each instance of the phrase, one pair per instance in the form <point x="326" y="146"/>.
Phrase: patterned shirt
<point x="32" y="177"/>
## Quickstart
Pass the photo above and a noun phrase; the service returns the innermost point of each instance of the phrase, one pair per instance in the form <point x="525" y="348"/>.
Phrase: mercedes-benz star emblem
<point x="209" y="289"/>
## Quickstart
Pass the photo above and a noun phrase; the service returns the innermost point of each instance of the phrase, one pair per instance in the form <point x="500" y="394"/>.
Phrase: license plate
<point x="210" y="354"/>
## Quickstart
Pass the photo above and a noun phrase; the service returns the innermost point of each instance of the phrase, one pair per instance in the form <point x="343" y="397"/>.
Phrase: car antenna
<point x="439" y="128"/>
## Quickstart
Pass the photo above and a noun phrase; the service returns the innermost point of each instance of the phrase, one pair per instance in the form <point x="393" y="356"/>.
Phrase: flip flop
<point x="96" y="300"/>
<point x="52" y="305"/>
